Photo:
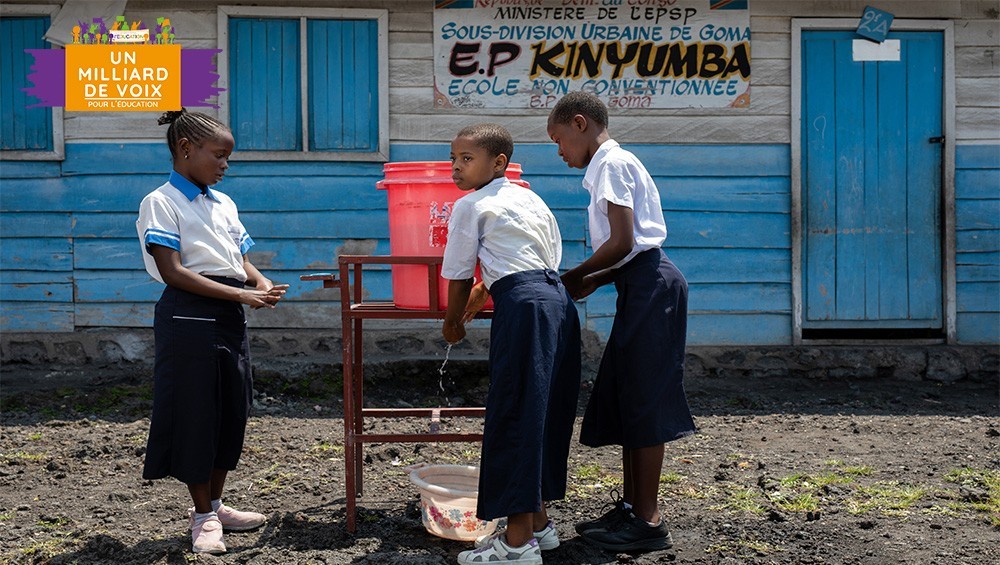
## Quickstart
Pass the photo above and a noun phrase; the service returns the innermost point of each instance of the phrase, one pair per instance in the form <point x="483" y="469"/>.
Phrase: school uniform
<point x="638" y="399"/>
<point x="534" y="344"/>
<point x="202" y="388"/>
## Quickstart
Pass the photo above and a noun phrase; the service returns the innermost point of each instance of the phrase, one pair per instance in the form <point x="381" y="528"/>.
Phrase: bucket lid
<point x="431" y="172"/>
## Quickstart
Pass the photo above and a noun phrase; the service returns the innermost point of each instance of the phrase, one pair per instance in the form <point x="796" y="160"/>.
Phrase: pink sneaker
<point x="207" y="537"/>
<point x="238" y="521"/>
<point x="234" y="520"/>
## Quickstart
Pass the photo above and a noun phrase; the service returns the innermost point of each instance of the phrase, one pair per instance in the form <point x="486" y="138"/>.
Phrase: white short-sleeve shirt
<point x="617" y="176"/>
<point x="203" y="226"/>
<point x="507" y="227"/>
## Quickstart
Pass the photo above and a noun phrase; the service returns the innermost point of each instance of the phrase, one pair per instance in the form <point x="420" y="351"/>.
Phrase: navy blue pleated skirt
<point x="638" y="398"/>
<point x="202" y="388"/>
<point x="534" y="385"/>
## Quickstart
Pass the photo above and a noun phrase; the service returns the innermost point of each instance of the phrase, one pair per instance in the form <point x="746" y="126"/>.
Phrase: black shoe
<point x="609" y="519"/>
<point x="631" y="534"/>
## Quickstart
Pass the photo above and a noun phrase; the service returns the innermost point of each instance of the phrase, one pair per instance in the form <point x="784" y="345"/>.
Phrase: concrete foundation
<point x="285" y="351"/>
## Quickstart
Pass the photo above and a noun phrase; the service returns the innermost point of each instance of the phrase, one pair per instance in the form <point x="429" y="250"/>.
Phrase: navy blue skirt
<point x="638" y="398"/>
<point x="202" y="389"/>
<point x="534" y="385"/>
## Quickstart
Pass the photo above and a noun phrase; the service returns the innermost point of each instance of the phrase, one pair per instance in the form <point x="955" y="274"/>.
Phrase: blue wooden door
<point x="871" y="183"/>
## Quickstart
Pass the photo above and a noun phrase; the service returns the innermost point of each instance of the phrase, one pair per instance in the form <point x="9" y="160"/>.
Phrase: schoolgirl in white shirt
<point x="193" y="241"/>
<point x="638" y="400"/>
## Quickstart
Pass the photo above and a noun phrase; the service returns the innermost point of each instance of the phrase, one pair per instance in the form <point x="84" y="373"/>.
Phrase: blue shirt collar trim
<point x="189" y="189"/>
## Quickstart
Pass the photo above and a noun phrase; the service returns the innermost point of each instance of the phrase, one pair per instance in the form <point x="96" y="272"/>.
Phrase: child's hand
<point x="477" y="299"/>
<point x="573" y="284"/>
<point x="267" y="284"/>
<point x="276" y="293"/>
<point x="263" y="298"/>
<point x="453" y="332"/>
<point x="587" y="287"/>
<point x="257" y="298"/>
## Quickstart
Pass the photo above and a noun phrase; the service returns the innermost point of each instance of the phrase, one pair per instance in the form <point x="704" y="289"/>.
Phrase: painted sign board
<point x="528" y="53"/>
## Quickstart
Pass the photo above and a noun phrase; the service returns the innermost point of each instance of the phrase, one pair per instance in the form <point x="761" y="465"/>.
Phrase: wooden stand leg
<point x="349" y="419"/>
<point x="358" y="402"/>
<point x="351" y="494"/>
<point x="348" y="362"/>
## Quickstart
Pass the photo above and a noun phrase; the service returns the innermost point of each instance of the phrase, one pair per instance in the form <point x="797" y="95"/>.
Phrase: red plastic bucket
<point x="421" y="196"/>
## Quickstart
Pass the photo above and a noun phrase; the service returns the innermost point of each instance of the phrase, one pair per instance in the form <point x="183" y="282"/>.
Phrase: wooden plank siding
<point x="36" y="280"/>
<point x="977" y="256"/>
<point x="728" y="222"/>
<point x="728" y="232"/>
<point x="69" y="256"/>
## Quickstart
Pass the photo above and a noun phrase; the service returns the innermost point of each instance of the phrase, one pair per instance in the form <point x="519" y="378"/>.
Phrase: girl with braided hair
<point x="194" y="242"/>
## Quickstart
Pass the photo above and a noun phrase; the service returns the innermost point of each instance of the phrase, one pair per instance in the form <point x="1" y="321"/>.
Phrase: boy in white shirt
<point x="638" y="400"/>
<point x="534" y="343"/>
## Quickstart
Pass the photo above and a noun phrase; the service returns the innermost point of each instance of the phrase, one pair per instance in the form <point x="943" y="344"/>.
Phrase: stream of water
<point x="447" y="352"/>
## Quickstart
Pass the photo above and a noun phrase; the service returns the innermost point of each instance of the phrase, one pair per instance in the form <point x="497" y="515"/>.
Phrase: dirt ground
<point x="782" y="471"/>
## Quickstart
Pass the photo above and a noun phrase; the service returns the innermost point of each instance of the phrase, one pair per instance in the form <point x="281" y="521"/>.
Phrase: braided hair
<point x="195" y="126"/>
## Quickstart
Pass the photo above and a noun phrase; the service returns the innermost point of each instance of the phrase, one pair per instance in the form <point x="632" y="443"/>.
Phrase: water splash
<point x="447" y="353"/>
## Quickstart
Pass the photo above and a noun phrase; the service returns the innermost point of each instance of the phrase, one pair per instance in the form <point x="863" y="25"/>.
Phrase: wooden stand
<point x="354" y="310"/>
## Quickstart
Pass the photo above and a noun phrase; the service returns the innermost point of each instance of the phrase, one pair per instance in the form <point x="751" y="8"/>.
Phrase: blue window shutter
<point x="343" y="85"/>
<point x="22" y="128"/>
<point x="265" y="104"/>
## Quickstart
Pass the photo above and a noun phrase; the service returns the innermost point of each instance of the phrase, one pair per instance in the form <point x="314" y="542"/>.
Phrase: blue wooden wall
<point x="977" y="258"/>
<point x="70" y="257"/>
<point x="727" y="213"/>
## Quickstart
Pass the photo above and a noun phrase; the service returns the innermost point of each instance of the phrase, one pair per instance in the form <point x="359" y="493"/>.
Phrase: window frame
<point x="58" y="152"/>
<point x="303" y="15"/>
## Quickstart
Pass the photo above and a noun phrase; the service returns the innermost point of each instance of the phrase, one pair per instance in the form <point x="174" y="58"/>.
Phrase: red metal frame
<point x="353" y="311"/>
